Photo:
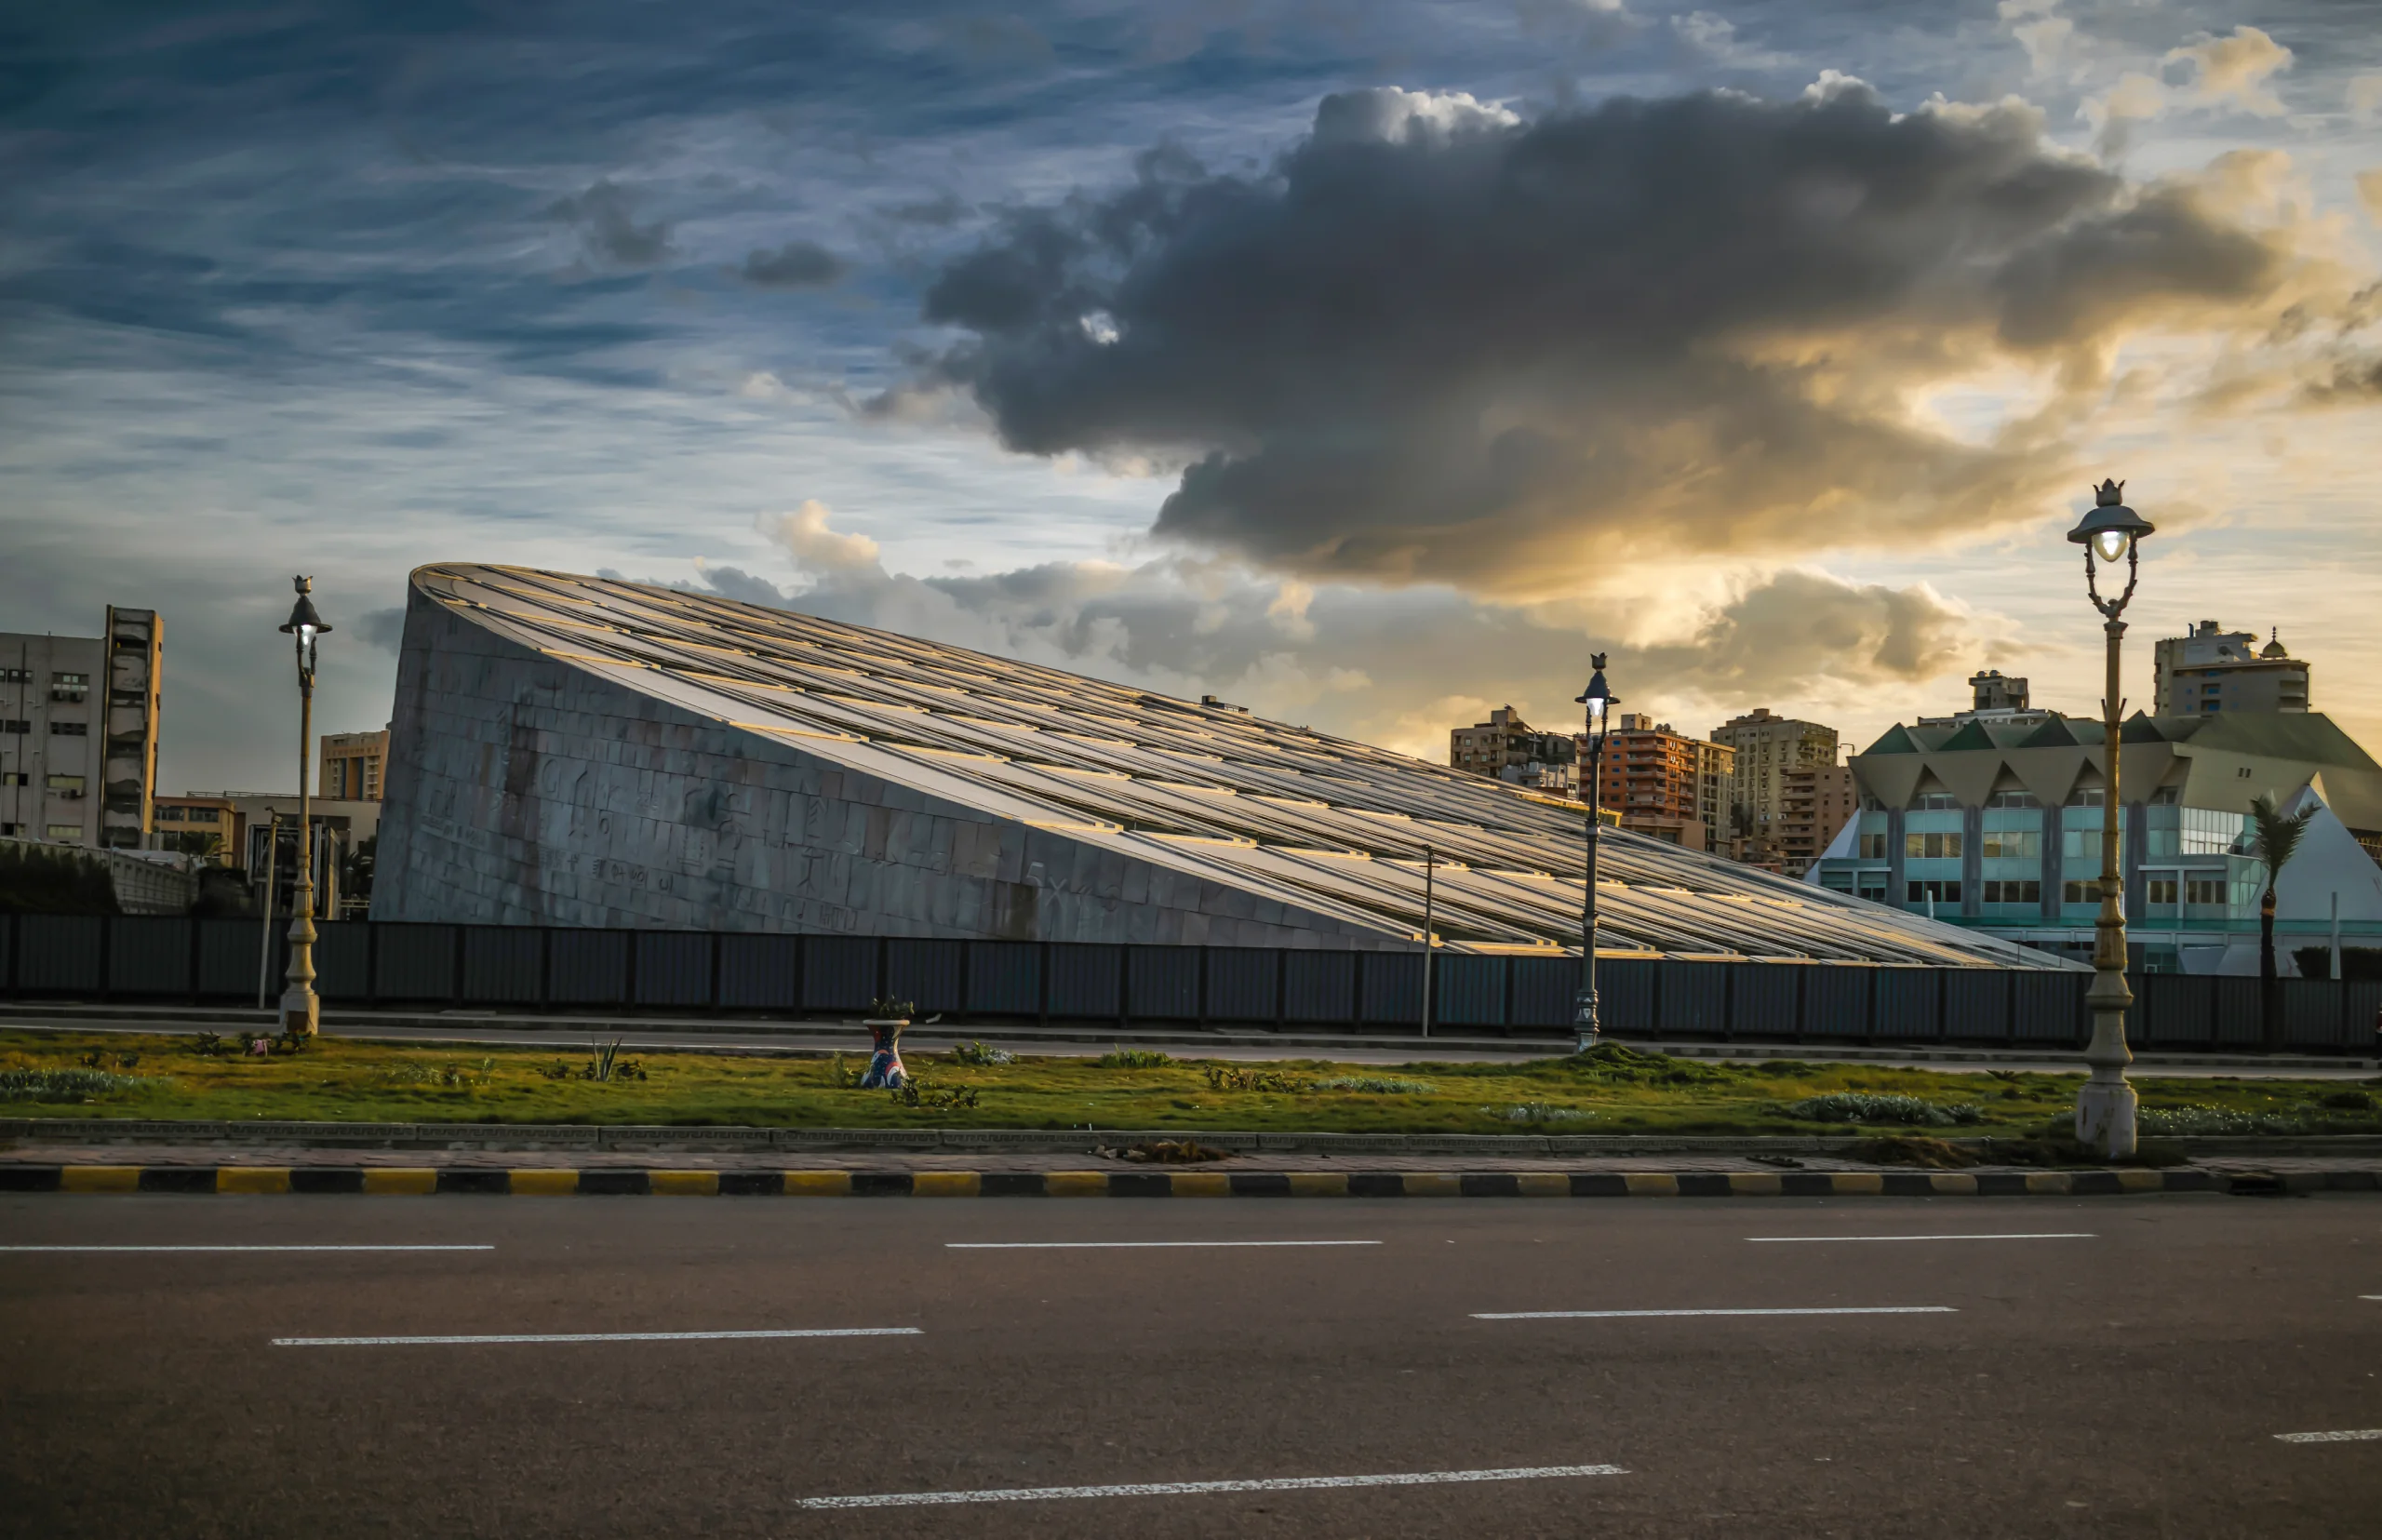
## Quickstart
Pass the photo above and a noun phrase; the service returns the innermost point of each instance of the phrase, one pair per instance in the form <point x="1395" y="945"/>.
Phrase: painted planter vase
<point x="885" y="1057"/>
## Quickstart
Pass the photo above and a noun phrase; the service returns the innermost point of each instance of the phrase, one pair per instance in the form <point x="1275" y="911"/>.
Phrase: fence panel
<point x="760" y="972"/>
<point x="1835" y="999"/>
<point x="1695" y="998"/>
<point x="1084" y="980"/>
<point x="414" y="962"/>
<point x="343" y="960"/>
<point x="1976" y="1004"/>
<point x="1471" y="990"/>
<point x="227" y="958"/>
<point x="1393" y="987"/>
<point x="1005" y="978"/>
<point x="673" y="968"/>
<point x="1164" y="983"/>
<point x="2311" y="1012"/>
<point x="1243" y="983"/>
<point x="1907" y="1004"/>
<point x="149" y="955"/>
<point x="2365" y="1015"/>
<point x="838" y="972"/>
<point x="1625" y="994"/>
<point x="931" y="974"/>
<point x="2178" y="1009"/>
<point x="2236" y="1005"/>
<point x="2048" y="1007"/>
<point x="1544" y="988"/>
<point x="61" y="952"/>
<point x="1761" y="998"/>
<point x="500" y="964"/>
<point x="1319" y="987"/>
<point x="588" y="966"/>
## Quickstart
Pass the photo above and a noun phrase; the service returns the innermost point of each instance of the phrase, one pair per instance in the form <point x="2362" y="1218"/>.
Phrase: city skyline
<point x="1026" y="333"/>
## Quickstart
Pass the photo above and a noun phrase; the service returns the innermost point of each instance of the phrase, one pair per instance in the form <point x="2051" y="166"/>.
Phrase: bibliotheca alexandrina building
<point x="570" y="751"/>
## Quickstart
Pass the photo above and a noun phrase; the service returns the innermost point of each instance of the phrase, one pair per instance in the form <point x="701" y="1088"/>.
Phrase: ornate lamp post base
<point x="2104" y="1116"/>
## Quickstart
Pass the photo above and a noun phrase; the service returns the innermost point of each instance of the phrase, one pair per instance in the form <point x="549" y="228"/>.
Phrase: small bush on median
<point x="1854" y="1107"/>
<point x="2201" y="1118"/>
<point x="65" y="1085"/>
<point x="1375" y="1086"/>
<point x="978" y="1053"/>
<point x="1135" y="1058"/>
<point x="1538" y="1112"/>
<point x="1233" y="1077"/>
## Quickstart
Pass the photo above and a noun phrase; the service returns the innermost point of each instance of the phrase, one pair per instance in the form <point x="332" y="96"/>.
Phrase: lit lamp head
<point x="2111" y="529"/>
<point x="1598" y="696"/>
<point x="304" y="624"/>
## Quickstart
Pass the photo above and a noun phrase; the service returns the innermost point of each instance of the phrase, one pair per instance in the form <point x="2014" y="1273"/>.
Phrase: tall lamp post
<point x="1598" y="697"/>
<point x="2110" y="533"/>
<point x="301" y="1011"/>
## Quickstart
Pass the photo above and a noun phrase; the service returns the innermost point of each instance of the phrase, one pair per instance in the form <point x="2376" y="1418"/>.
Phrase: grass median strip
<point x="595" y="1337"/>
<point x="1611" y="1091"/>
<point x="1796" y="1310"/>
<point x="1198" y="1489"/>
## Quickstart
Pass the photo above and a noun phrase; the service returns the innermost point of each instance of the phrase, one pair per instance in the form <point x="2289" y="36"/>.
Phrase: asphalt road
<point x="2126" y="1375"/>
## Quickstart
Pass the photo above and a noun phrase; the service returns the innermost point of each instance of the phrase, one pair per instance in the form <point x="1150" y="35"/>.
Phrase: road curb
<point x="611" y="1181"/>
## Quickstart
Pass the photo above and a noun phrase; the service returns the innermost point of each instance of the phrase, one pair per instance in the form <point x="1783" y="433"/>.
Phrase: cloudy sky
<point x="1369" y="364"/>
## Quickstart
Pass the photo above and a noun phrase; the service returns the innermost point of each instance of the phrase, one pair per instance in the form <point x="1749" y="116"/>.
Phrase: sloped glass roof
<point x="1283" y="812"/>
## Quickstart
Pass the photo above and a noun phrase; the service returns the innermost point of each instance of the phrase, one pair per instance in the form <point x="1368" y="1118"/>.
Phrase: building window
<point x="70" y="729"/>
<point x="2013" y="844"/>
<point x="2206" y="891"/>
<point x="2014" y="799"/>
<point x="2009" y="891"/>
<point x="2160" y="889"/>
<point x="1873" y="846"/>
<point x="1944" y="891"/>
<point x="69" y="687"/>
<point x="1931" y="847"/>
<point x="1935" y="801"/>
<point x="15" y="724"/>
<point x="2079" y="893"/>
<point x="1872" y="886"/>
<point x="15" y="778"/>
<point x="206" y="815"/>
<point x="2088" y="797"/>
<point x="68" y="786"/>
<point x="66" y="831"/>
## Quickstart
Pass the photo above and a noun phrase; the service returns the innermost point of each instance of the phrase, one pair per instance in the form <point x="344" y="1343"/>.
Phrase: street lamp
<point x="2104" y="1107"/>
<point x="301" y="1011"/>
<point x="1599" y="700"/>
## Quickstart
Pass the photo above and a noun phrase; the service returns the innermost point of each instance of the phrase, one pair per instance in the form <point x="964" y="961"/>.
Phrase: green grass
<point x="1612" y="1092"/>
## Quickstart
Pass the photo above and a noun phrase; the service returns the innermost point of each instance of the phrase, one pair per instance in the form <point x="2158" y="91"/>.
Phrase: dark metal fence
<point x="363" y="963"/>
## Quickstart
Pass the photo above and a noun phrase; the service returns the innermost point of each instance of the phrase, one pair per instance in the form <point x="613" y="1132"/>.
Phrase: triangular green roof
<point x="2053" y="734"/>
<point x="1896" y="741"/>
<point x="2140" y="729"/>
<point x="1972" y="735"/>
<point x="2308" y="736"/>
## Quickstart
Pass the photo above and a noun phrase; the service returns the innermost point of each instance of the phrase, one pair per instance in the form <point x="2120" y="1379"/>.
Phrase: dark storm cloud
<point x="383" y="628"/>
<point x="607" y="233"/>
<point x="796" y="265"/>
<point x="1435" y="341"/>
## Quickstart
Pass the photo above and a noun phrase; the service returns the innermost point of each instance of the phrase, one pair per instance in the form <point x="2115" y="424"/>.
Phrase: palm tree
<point x="2274" y="840"/>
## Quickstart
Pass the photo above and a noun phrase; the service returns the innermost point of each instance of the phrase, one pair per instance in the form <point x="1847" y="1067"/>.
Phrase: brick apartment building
<point x="1664" y="784"/>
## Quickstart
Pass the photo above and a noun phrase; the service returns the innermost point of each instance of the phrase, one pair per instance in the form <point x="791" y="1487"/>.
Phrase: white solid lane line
<point x="2038" y="1235"/>
<point x="595" y="1337"/>
<point x="1186" y="1489"/>
<point x="1801" y="1310"/>
<point x="2350" y="1435"/>
<point x="1126" y="1245"/>
<point x="247" y="1247"/>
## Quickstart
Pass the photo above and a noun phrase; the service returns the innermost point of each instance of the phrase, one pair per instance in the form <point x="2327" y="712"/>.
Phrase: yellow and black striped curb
<point x="607" y="1180"/>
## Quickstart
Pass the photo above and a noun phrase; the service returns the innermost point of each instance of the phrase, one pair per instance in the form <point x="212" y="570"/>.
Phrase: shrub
<point x="884" y="1008"/>
<point x="1232" y="1078"/>
<point x="67" y="1085"/>
<point x="1854" y="1107"/>
<point x="913" y="1092"/>
<point x="977" y="1053"/>
<point x="1538" y="1112"/>
<point x="2199" y="1117"/>
<point x="1135" y="1058"/>
<point x="2351" y="1100"/>
<point x="1377" y="1086"/>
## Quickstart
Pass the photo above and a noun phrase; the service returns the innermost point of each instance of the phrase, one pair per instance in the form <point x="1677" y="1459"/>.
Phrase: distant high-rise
<point x="2208" y="670"/>
<point x="1767" y="747"/>
<point x="351" y="764"/>
<point x="78" y="733"/>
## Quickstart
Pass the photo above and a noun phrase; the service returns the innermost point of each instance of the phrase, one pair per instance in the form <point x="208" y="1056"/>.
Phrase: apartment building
<point x="351" y="765"/>
<point x="1765" y="746"/>
<point x="1665" y="783"/>
<point x="78" y="733"/>
<point x="2210" y="670"/>
<point x="1506" y="748"/>
<point x="1814" y="802"/>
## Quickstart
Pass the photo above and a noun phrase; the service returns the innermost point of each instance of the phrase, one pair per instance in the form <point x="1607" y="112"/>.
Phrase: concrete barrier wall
<point x="367" y="963"/>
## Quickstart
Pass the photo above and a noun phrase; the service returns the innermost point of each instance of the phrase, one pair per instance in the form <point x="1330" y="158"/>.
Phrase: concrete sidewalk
<point x="808" y="1037"/>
